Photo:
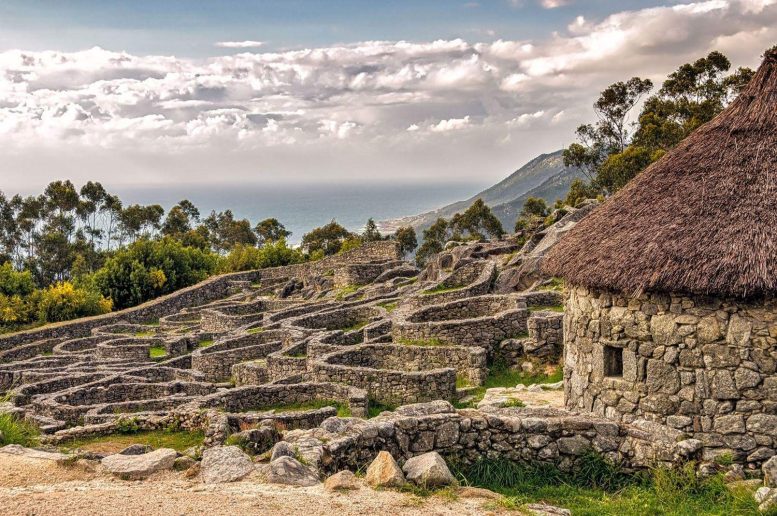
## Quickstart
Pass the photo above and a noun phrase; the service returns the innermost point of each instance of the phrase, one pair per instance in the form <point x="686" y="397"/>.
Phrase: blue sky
<point x="141" y="92"/>
<point x="189" y="28"/>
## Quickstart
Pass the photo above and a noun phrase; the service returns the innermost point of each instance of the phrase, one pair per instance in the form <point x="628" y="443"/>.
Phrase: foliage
<point x="270" y="230"/>
<point x="15" y="283"/>
<point x="371" y="233"/>
<point x="64" y="301"/>
<point x="434" y="241"/>
<point x="151" y="268"/>
<point x="273" y="254"/>
<point x="407" y="239"/>
<point x="350" y="244"/>
<point x="477" y="222"/>
<point x="327" y="239"/>
<point x="225" y="232"/>
<point x="375" y="407"/>
<point x="611" y="154"/>
<point x="17" y="431"/>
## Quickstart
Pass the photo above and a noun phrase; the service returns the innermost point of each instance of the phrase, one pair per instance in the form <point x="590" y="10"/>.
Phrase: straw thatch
<point x="701" y="220"/>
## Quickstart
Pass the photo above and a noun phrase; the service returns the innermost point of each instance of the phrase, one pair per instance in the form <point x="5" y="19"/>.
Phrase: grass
<point x="512" y="402"/>
<point x="555" y="284"/>
<point x="17" y="431"/>
<point x="157" y="352"/>
<point x="599" y="487"/>
<point x="298" y="354"/>
<point x="346" y="291"/>
<point x="434" y="341"/>
<point x="254" y="331"/>
<point x="499" y="375"/>
<point x="343" y="410"/>
<point x="177" y="440"/>
<point x="389" y="306"/>
<point x="154" y="323"/>
<point x="205" y="343"/>
<point x="547" y="308"/>
<point x="144" y="333"/>
<point x="356" y="326"/>
<point x="440" y="289"/>
<point x="462" y="382"/>
<point x="375" y="407"/>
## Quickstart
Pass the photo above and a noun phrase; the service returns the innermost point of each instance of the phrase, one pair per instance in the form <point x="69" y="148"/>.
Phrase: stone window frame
<point x="630" y="375"/>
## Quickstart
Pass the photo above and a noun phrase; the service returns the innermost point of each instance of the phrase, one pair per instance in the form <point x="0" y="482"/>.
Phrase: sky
<point x="235" y="92"/>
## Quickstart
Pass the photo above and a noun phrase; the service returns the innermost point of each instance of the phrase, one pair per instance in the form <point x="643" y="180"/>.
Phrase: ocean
<point x="304" y="207"/>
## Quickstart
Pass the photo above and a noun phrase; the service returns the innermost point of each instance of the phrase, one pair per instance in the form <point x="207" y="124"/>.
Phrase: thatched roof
<point x="701" y="220"/>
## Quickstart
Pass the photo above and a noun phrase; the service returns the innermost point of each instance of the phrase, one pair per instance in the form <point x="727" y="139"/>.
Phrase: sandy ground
<point x="41" y="487"/>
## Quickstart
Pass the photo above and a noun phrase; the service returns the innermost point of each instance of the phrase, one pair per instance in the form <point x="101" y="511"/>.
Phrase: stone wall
<point x="522" y="435"/>
<point x="361" y="273"/>
<point x="391" y="374"/>
<point x="369" y="252"/>
<point x="700" y="365"/>
<point x="213" y="288"/>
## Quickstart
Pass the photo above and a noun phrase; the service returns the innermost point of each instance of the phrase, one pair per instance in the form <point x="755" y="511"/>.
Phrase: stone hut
<point x="671" y="305"/>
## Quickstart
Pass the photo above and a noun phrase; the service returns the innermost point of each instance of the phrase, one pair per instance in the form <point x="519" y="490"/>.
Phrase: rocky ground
<point x="33" y="486"/>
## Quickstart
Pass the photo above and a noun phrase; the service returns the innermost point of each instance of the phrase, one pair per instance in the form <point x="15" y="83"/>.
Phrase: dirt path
<point x="41" y="487"/>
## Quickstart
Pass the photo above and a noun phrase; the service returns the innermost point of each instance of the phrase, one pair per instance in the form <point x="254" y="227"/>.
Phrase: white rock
<point x="428" y="470"/>
<point x="224" y="464"/>
<point x="15" y="449"/>
<point x="762" y="493"/>
<point x="138" y="467"/>
<point x="384" y="472"/>
<point x="291" y="472"/>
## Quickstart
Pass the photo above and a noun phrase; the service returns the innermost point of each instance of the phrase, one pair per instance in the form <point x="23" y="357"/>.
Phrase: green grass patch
<point x="298" y="354"/>
<point x="462" y="382"/>
<point x="157" y="352"/>
<point x="441" y="289"/>
<point x="144" y="333"/>
<point x="555" y="284"/>
<point x="177" y="440"/>
<point x="17" y="431"/>
<point x="346" y="291"/>
<point x="254" y="331"/>
<point x="154" y="323"/>
<point x="389" y="306"/>
<point x="205" y="343"/>
<point x="599" y="487"/>
<point x="434" y="341"/>
<point x="547" y="308"/>
<point x="512" y="402"/>
<point x="374" y="408"/>
<point x="499" y="375"/>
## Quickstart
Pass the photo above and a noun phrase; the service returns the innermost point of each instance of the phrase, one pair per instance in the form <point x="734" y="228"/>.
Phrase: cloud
<point x="240" y="44"/>
<point x="393" y="107"/>
<point x="553" y="4"/>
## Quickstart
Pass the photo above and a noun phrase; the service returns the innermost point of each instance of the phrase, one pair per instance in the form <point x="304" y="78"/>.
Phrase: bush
<point x="272" y="254"/>
<point x="148" y="269"/>
<point x="15" y="283"/>
<point x="64" y="301"/>
<point x="16" y="431"/>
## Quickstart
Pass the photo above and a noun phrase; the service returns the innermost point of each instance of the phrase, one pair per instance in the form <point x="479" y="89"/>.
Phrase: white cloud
<point x="240" y="44"/>
<point x="345" y="108"/>
<point x="552" y="4"/>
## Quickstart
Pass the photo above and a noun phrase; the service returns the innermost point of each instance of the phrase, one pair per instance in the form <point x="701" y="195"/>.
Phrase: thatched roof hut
<point x="701" y="220"/>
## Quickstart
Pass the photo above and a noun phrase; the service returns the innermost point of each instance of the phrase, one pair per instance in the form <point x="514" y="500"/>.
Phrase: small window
<point x="613" y="361"/>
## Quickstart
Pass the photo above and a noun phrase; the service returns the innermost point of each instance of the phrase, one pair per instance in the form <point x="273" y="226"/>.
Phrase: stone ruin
<point x="307" y="350"/>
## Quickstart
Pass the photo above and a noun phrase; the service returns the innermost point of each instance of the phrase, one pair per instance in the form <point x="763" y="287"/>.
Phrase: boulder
<point x="16" y="449"/>
<point x="291" y="472"/>
<point x="138" y="467"/>
<point x="282" y="449"/>
<point x="341" y="481"/>
<point x="428" y="470"/>
<point x="258" y="440"/>
<point x="769" y="469"/>
<point x="136" y="449"/>
<point x="183" y="463"/>
<point x="385" y="472"/>
<point x="224" y="464"/>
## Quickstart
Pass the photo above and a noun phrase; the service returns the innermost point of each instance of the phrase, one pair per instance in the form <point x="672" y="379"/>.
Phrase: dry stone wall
<point x="699" y="365"/>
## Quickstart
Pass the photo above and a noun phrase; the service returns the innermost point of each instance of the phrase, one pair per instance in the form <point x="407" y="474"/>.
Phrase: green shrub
<point x="64" y="301"/>
<point x="17" y="431"/>
<point x="151" y="268"/>
<point x="272" y="254"/>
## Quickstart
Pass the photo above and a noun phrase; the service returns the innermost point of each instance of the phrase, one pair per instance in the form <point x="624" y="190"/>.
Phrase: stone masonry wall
<point x="700" y="365"/>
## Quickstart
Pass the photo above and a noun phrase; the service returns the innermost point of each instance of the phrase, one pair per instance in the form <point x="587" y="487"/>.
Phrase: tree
<point x="151" y="268"/>
<point x="609" y="134"/>
<point x="407" y="239"/>
<point x="327" y="239"/>
<point x="434" y="241"/>
<point x="225" y="232"/>
<point x="270" y="230"/>
<point x="477" y="221"/>
<point x="179" y="219"/>
<point x="371" y="233"/>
